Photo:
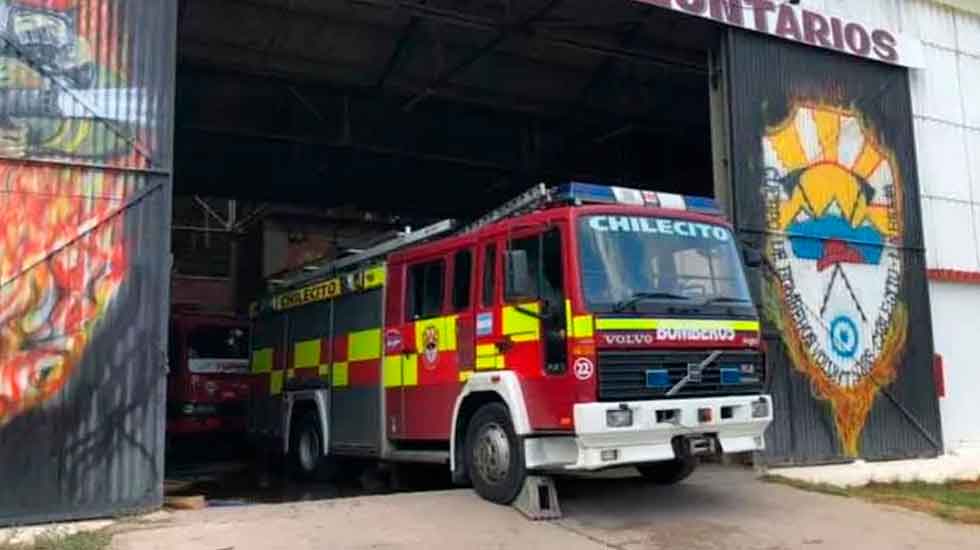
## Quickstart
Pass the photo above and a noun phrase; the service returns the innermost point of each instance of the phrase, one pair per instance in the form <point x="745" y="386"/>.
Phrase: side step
<point x="538" y="499"/>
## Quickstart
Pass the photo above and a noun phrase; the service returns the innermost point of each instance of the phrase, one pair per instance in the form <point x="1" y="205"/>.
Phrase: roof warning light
<point x="584" y="193"/>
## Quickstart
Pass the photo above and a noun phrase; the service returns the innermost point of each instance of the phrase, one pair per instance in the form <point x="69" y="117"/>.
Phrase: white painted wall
<point x="946" y="105"/>
<point x="955" y="310"/>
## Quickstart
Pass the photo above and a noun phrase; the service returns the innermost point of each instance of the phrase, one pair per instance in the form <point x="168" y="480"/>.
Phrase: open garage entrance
<point x="386" y="114"/>
<point x="305" y="130"/>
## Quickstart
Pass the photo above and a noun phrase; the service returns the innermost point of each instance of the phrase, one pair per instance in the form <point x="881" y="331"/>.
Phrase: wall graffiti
<point x="62" y="251"/>
<point x="835" y="232"/>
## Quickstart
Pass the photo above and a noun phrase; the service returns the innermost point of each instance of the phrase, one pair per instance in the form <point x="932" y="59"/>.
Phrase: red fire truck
<point x="577" y="328"/>
<point x="208" y="382"/>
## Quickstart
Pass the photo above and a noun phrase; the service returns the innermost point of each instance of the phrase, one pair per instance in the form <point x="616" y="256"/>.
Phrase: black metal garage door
<point x="85" y="157"/>
<point x="825" y="182"/>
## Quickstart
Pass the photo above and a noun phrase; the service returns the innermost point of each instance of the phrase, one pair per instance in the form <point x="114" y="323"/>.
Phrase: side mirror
<point x="519" y="282"/>
<point x="752" y="256"/>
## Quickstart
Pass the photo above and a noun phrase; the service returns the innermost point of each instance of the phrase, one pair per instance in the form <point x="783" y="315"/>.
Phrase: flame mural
<point x="62" y="253"/>
<point x="833" y="214"/>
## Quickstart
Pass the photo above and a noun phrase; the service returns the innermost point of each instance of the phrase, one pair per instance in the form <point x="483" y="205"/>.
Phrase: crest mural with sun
<point x="834" y="221"/>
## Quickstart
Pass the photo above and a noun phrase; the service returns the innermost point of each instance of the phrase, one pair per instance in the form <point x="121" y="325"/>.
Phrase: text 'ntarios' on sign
<point x="807" y="26"/>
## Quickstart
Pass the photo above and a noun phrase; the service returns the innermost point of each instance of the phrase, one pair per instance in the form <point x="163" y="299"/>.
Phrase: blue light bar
<point x="588" y="193"/>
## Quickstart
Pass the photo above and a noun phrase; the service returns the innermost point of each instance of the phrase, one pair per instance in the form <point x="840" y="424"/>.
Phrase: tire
<point x="306" y="458"/>
<point x="494" y="455"/>
<point x="669" y="472"/>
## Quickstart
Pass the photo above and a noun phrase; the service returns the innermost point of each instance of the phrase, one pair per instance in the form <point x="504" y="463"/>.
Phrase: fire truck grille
<point x="639" y="375"/>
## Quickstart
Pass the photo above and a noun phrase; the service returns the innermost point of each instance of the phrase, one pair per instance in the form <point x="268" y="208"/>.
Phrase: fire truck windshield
<point x="641" y="263"/>
<point x="217" y="349"/>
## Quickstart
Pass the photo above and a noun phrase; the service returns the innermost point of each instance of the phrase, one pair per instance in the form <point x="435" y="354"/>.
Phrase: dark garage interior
<point x="306" y="129"/>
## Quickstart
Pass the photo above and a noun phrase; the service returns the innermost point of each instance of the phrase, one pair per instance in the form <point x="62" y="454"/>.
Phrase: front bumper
<point x="648" y="440"/>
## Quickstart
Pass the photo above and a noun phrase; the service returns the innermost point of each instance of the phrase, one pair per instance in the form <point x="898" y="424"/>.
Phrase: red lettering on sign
<point x="837" y="29"/>
<point x="857" y="39"/>
<point x="786" y="24"/>
<point x="696" y="7"/>
<point x="885" y="45"/>
<point x="816" y="29"/>
<point x="726" y="11"/>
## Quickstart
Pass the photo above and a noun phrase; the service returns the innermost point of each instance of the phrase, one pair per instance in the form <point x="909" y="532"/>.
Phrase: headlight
<point x="619" y="418"/>
<point x="760" y="409"/>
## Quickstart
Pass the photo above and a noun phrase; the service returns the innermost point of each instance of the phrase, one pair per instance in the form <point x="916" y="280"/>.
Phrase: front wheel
<point x="494" y="456"/>
<point x="668" y="472"/>
<point x="306" y="449"/>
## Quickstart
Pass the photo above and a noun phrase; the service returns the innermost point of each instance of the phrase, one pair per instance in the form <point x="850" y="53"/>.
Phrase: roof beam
<point x="503" y="33"/>
<point x="403" y="43"/>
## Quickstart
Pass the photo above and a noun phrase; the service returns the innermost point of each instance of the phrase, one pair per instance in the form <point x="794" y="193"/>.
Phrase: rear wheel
<point x="669" y="472"/>
<point x="306" y="449"/>
<point x="494" y="456"/>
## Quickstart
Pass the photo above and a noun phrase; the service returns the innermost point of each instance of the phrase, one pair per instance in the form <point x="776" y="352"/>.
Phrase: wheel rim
<point x="492" y="453"/>
<point x="309" y="450"/>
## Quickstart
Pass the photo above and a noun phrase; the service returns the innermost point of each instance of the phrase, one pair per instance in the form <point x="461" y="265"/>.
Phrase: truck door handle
<point x="503" y="344"/>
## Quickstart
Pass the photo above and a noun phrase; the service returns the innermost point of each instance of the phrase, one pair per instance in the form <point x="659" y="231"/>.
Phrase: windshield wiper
<point x="724" y="300"/>
<point x="637" y="297"/>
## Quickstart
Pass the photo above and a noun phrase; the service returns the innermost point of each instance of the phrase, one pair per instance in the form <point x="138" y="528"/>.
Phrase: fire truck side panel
<point x="355" y="371"/>
<point x="423" y="353"/>
<point x="268" y="371"/>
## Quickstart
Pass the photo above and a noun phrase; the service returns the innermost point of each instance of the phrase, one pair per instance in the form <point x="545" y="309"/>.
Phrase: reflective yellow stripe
<point x="410" y="370"/>
<point x="485" y="362"/>
<point x="448" y="341"/>
<point x="324" y="370"/>
<point x="582" y="326"/>
<point x="579" y="326"/>
<point x="374" y="277"/>
<point x="275" y="382"/>
<point x="488" y="357"/>
<point x="465" y="375"/>
<point x="522" y="327"/>
<point x="364" y="345"/>
<point x="290" y="374"/>
<point x="486" y="349"/>
<point x="262" y="360"/>
<point x="306" y="354"/>
<point x="392" y="367"/>
<point x="626" y="324"/>
<point x="692" y="324"/>
<point x="340" y="376"/>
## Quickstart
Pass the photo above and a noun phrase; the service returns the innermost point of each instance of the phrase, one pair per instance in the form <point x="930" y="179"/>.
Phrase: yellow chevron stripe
<point x="275" y="382"/>
<point x="306" y="354"/>
<point x="262" y="360"/>
<point x="691" y="324"/>
<point x="364" y="345"/>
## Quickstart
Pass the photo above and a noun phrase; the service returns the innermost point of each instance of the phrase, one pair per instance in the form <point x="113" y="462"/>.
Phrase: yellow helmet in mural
<point x="834" y="218"/>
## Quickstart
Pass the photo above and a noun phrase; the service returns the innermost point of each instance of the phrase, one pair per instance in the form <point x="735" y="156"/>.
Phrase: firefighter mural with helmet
<point x="63" y="100"/>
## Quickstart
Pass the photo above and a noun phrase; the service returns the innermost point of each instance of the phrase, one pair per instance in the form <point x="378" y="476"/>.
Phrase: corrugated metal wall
<point x="86" y="107"/>
<point x="825" y="182"/>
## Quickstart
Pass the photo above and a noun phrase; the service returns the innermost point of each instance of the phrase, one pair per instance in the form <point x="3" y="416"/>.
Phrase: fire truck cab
<point x="578" y="328"/>
<point x="208" y="380"/>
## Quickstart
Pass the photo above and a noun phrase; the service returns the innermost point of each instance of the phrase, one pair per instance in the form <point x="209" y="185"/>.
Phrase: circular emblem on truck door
<point x="430" y="350"/>
<point x="583" y="368"/>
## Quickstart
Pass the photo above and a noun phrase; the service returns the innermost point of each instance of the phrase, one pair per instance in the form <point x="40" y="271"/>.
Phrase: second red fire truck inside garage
<point x="577" y="328"/>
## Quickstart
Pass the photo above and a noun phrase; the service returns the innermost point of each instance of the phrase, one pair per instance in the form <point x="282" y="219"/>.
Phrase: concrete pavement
<point x="718" y="508"/>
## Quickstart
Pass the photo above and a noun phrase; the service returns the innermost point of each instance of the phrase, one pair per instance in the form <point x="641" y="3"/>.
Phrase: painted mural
<point x="63" y="258"/>
<point x="835" y="232"/>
